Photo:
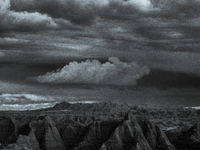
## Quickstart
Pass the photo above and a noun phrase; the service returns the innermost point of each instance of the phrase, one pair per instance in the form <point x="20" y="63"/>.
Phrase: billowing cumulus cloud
<point x="12" y="20"/>
<point x="114" y="72"/>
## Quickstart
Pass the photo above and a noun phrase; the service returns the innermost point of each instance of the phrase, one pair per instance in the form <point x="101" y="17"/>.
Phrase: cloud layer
<point x="161" y="34"/>
<point x="23" y="99"/>
<point x="82" y="11"/>
<point x="23" y="21"/>
<point x="162" y="12"/>
<point x="51" y="14"/>
<point x="114" y="72"/>
<point x="86" y="10"/>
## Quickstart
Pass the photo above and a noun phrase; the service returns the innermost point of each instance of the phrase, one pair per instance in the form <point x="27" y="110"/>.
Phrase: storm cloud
<point x="86" y="10"/>
<point x="11" y="20"/>
<point x="114" y="72"/>
<point x="82" y="11"/>
<point x="38" y="36"/>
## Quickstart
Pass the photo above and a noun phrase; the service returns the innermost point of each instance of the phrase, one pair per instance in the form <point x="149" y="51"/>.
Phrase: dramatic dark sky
<point x="133" y="50"/>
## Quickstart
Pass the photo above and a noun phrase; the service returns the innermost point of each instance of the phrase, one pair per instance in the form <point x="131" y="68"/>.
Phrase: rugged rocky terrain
<point x="100" y="126"/>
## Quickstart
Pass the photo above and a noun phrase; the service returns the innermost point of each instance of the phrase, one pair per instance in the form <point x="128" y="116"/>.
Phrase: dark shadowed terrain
<point x="101" y="126"/>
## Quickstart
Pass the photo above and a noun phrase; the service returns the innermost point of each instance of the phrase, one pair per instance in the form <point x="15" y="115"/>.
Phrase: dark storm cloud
<point x="177" y="8"/>
<point x="160" y="34"/>
<point x="86" y="10"/>
<point x="165" y="79"/>
<point x="76" y="11"/>
<point x="147" y="18"/>
<point x="24" y="21"/>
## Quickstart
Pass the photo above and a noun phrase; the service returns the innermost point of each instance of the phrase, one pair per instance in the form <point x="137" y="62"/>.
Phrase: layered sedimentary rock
<point x="47" y="134"/>
<point x="120" y="129"/>
<point x="137" y="133"/>
<point x="52" y="137"/>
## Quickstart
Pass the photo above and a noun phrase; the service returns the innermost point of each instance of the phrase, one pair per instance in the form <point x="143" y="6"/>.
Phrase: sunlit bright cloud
<point x="21" y="107"/>
<point x="23" y="98"/>
<point x="113" y="72"/>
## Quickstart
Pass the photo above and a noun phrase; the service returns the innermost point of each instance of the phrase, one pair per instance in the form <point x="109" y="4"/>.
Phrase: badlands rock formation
<point x="87" y="132"/>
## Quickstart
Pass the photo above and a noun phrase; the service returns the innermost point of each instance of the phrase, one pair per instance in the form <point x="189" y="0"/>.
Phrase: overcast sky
<point x="149" y="48"/>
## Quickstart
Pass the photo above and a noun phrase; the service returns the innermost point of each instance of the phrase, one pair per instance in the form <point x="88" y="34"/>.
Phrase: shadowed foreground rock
<point x="6" y="129"/>
<point x="185" y="139"/>
<point x="84" y="134"/>
<point x="137" y="133"/>
<point x="119" y="130"/>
